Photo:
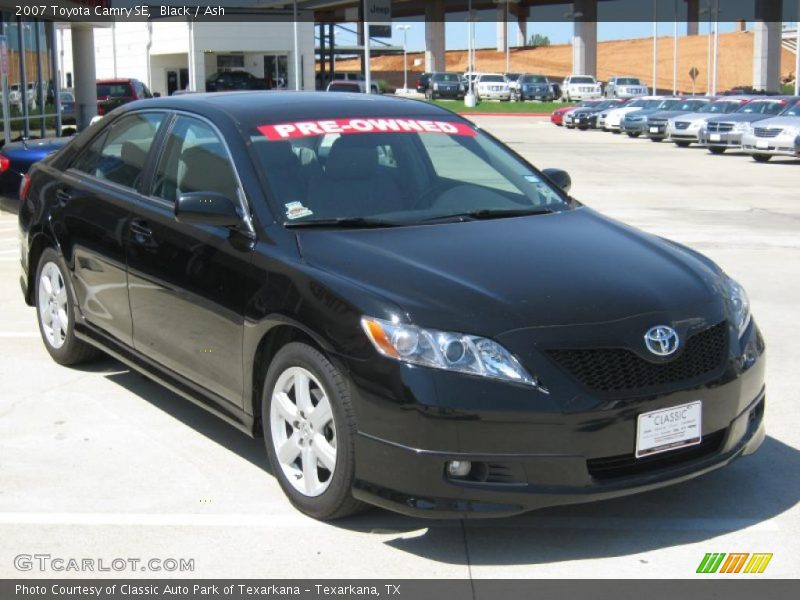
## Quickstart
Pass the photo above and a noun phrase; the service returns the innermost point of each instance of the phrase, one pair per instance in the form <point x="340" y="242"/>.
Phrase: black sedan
<point x="586" y="118"/>
<point x="411" y="314"/>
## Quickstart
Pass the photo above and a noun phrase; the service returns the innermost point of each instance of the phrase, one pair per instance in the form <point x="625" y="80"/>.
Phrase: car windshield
<point x="763" y="108"/>
<point x="792" y="111"/>
<point x="446" y="77"/>
<point x="628" y="81"/>
<point x="722" y="107"/>
<point x="534" y="79"/>
<point x="582" y="80"/>
<point x="113" y="90"/>
<point x="638" y="103"/>
<point x="690" y="105"/>
<point x="394" y="171"/>
<point x="607" y="104"/>
<point x="492" y="79"/>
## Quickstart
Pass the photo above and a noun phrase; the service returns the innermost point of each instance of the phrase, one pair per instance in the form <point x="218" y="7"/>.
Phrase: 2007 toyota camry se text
<point x="412" y="315"/>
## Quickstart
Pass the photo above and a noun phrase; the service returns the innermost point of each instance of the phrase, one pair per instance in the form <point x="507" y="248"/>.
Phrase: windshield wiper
<point x="492" y="213"/>
<point x="344" y="222"/>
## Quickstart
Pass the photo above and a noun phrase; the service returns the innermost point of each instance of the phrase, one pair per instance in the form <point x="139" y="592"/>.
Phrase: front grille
<point x="681" y="125"/>
<point x="627" y="465"/>
<point x="657" y="122"/>
<point x="767" y="132"/>
<point x="720" y="127"/>
<point x="620" y="369"/>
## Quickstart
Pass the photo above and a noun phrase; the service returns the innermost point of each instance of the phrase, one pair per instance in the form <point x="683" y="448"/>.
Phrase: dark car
<point x="112" y="93"/>
<point x="725" y="132"/>
<point x="536" y="87"/>
<point x="445" y="85"/>
<point x="586" y="117"/>
<point x="17" y="157"/>
<point x="635" y="123"/>
<point x="422" y="82"/>
<point x="234" y="80"/>
<point x="657" y="122"/>
<point x="411" y="314"/>
<point x="68" y="114"/>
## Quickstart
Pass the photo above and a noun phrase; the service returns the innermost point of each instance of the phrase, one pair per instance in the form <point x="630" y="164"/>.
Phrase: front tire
<point x="633" y="134"/>
<point x="762" y="158"/>
<point x="682" y="144"/>
<point x="716" y="150"/>
<point x="55" y="309"/>
<point x="309" y="431"/>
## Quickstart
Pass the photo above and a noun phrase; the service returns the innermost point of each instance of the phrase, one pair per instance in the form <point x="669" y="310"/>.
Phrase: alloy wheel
<point x="303" y="431"/>
<point x="52" y="297"/>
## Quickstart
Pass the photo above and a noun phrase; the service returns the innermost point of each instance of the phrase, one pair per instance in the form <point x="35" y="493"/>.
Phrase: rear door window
<point x="119" y="153"/>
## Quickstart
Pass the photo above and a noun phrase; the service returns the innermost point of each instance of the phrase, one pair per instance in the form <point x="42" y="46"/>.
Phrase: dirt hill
<point x="624" y="57"/>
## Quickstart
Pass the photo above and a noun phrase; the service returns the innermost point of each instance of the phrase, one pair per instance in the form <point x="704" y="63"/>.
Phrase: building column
<point x="434" y="36"/>
<point x="84" y="74"/>
<point x="767" y="45"/>
<point x="502" y="28"/>
<point x="692" y="17"/>
<point x="522" y="28"/>
<point x="584" y="42"/>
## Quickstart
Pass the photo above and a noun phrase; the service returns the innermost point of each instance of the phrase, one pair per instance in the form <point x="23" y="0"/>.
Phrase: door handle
<point x="63" y="197"/>
<point x="141" y="231"/>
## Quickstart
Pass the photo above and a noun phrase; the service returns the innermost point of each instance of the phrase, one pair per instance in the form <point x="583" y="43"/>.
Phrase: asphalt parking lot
<point x="101" y="463"/>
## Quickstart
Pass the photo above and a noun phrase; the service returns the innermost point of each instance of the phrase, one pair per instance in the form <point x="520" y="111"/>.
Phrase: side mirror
<point x="560" y="178"/>
<point x="207" y="208"/>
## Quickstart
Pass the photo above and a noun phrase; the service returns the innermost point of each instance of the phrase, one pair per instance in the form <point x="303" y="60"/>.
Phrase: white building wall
<point x="170" y="46"/>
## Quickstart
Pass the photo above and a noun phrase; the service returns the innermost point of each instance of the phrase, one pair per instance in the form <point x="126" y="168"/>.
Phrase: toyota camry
<point x="411" y="314"/>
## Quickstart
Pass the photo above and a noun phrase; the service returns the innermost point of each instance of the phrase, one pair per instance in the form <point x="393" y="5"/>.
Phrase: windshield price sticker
<point x="299" y="129"/>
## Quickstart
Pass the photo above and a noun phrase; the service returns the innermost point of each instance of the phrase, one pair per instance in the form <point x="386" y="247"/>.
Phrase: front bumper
<point x="656" y="131"/>
<point x="543" y="94"/>
<point x="683" y="135"/>
<point x="493" y="95"/>
<point x="723" y="139"/>
<point x="535" y="450"/>
<point x="578" y="95"/>
<point x="781" y="145"/>
<point x="634" y="127"/>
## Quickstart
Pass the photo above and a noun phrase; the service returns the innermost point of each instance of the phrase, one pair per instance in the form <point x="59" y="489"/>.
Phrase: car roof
<point x="276" y="106"/>
<point x="117" y="80"/>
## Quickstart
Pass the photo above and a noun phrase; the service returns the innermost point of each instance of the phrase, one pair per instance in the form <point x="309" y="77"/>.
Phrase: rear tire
<point x="309" y="431"/>
<point x="55" y="311"/>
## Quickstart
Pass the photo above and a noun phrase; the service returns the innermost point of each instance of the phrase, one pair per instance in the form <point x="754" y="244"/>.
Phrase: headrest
<point x="206" y="170"/>
<point x="134" y="155"/>
<point x="352" y="157"/>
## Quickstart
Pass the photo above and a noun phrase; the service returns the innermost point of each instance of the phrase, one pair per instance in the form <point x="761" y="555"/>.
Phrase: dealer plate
<point x="668" y="429"/>
<point x="762" y="144"/>
<point x="715" y="137"/>
<point x="654" y="130"/>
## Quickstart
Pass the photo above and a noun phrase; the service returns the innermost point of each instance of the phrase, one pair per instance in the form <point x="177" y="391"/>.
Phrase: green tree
<point x="537" y="40"/>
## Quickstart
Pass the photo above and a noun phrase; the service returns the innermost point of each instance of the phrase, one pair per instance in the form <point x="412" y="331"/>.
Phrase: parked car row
<point x="488" y="86"/>
<point x="762" y="126"/>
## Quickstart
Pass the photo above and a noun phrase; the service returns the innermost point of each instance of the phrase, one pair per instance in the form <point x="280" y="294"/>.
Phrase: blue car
<point x="17" y="157"/>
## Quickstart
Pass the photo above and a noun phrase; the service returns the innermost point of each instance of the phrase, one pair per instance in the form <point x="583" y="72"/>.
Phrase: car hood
<point x="781" y="122"/>
<point x="739" y="118"/>
<point x="668" y="114"/>
<point x="489" y="277"/>
<point x="624" y="110"/>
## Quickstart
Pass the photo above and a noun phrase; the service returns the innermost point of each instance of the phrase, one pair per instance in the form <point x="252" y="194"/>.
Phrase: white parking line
<point x="18" y="334"/>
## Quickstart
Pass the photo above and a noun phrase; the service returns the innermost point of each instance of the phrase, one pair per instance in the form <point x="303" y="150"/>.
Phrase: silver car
<point x="726" y="132"/>
<point x="778" y="136"/>
<point x="685" y="129"/>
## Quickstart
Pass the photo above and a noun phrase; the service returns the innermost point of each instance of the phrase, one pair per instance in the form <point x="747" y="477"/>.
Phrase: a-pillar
<point x="767" y="45"/>
<point x="692" y="17"/>
<point x="434" y="36"/>
<point x="584" y="43"/>
<point x="84" y="85"/>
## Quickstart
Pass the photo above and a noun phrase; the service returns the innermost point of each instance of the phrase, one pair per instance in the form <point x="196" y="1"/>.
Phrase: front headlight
<point x="436" y="86"/>
<point x="445" y="350"/>
<point x="739" y="305"/>
<point x="741" y="127"/>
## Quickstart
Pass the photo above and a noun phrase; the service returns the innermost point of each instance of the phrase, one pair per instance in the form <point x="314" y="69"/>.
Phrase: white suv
<point x="625" y="88"/>
<point x="580" y="87"/>
<point x="492" y="86"/>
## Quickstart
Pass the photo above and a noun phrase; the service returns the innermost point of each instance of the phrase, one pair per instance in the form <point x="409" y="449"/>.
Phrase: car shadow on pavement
<point x="745" y="494"/>
<point x="184" y="411"/>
